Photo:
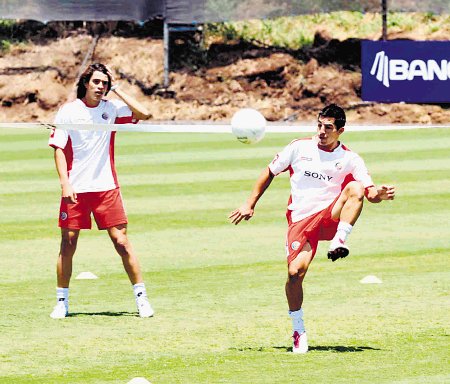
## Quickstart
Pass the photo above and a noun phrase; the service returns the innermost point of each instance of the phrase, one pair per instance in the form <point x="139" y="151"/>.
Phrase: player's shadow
<point x="108" y="314"/>
<point x="320" y="348"/>
<point x="340" y="348"/>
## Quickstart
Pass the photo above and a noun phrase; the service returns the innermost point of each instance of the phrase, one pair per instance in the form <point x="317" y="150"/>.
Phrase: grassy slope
<point x="218" y="289"/>
<point x="294" y="32"/>
<point x="297" y="31"/>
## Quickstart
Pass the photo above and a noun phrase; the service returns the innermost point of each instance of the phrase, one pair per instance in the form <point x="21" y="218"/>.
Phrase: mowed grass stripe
<point x="44" y="159"/>
<point x="281" y="142"/>
<point x="175" y="249"/>
<point x="148" y="178"/>
<point x="391" y="141"/>
<point x="255" y="164"/>
<point x="16" y="180"/>
<point x="150" y="184"/>
<point x="165" y="249"/>
<point x="438" y="153"/>
<point x="25" y="226"/>
<point x="139" y="143"/>
<point x="237" y="152"/>
<point x="370" y="157"/>
<point x="172" y="248"/>
<point x="28" y="137"/>
<point x="152" y="190"/>
<point x="40" y="209"/>
<point x="30" y="150"/>
<point x="386" y="142"/>
<point x="14" y="135"/>
<point x="28" y="229"/>
<point x="400" y="135"/>
<point x="38" y="169"/>
<point x="186" y="247"/>
<point x="410" y="194"/>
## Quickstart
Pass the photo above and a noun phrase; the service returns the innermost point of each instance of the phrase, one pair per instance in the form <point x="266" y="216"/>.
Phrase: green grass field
<point x="218" y="290"/>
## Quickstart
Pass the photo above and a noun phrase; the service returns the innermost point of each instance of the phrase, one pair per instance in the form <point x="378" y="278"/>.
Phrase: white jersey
<point x="317" y="177"/>
<point x="90" y="154"/>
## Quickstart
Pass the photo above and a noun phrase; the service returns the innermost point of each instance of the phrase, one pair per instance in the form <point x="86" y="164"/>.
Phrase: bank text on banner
<point x="409" y="71"/>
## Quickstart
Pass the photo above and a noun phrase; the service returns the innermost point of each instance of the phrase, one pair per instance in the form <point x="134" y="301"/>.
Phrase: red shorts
<point x="319" y="226"/>
<point x="107" y="208"/>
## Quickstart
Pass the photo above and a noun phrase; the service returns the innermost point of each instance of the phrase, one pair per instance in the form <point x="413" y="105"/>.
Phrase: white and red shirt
<point x="90" y="154"/>
<point x="317" y="177"/>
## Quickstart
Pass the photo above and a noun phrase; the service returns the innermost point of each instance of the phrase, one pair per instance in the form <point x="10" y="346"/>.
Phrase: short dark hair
<point x="86" y="77"/>
<point x="335" y="111"/>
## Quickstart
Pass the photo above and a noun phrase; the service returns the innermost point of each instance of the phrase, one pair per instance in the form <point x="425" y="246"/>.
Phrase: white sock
<point x="139" y="290"/>
<point x="297" y="321"/>
<point x="62" y="294"/>
<point x="343" y="230"/>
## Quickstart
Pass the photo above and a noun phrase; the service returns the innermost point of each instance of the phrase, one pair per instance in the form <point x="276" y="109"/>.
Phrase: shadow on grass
<point x="340" y="348"/>
<point x="319" y="348"/>
<point x="113" y="314"/>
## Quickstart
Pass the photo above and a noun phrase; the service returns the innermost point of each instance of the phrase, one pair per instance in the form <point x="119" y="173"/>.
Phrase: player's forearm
<point x="61" y="167"/>
<point x="262" y="183"/>
<point x="139" y="110"/>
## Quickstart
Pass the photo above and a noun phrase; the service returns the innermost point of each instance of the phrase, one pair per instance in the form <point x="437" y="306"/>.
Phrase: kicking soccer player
<point x="328" y="184"/>
<point x="85" y="165"/>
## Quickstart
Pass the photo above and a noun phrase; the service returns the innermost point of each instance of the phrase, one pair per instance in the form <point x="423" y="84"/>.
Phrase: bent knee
<point x="295" y="272"/>
<point x="355" y="189"/>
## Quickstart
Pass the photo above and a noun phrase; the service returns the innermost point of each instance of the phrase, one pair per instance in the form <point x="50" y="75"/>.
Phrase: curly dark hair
<point x="86" y="77"/>
<point x="335" y="111"/>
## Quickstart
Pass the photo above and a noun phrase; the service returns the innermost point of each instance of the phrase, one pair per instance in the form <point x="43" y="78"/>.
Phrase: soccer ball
<point x="248" y="125"/>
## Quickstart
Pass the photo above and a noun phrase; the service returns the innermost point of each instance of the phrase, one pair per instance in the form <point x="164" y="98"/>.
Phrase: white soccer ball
<point x="248" y="125"/>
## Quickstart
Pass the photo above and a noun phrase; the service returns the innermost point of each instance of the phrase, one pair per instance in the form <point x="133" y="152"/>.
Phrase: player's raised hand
<point x="111" y="75"/>
<point x="386" y="192"/>
<point x="242" y="213"/>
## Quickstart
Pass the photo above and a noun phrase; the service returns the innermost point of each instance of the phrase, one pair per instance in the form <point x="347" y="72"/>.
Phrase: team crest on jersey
<point x="63" y="216"/>
<point x="105" y="116"/>
<point x="338" y="166"/>
<point x="295" y="245"/>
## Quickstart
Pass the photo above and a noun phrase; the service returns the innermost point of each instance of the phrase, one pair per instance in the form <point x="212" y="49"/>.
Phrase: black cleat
<point x="338" y="253"/>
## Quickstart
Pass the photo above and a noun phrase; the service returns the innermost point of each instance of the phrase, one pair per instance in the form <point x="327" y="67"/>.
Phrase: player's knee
<point x="355" y="190"/>
<point x="121" y="243"/>
<point x="295" y="273"/>
<point x="68" y="242"/>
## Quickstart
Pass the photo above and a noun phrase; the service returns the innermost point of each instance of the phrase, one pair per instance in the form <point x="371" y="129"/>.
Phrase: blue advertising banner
<point x="409" y="71"/>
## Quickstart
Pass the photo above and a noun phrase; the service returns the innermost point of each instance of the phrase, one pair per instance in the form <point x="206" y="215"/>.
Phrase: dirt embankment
<point x="35" y="80"/>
